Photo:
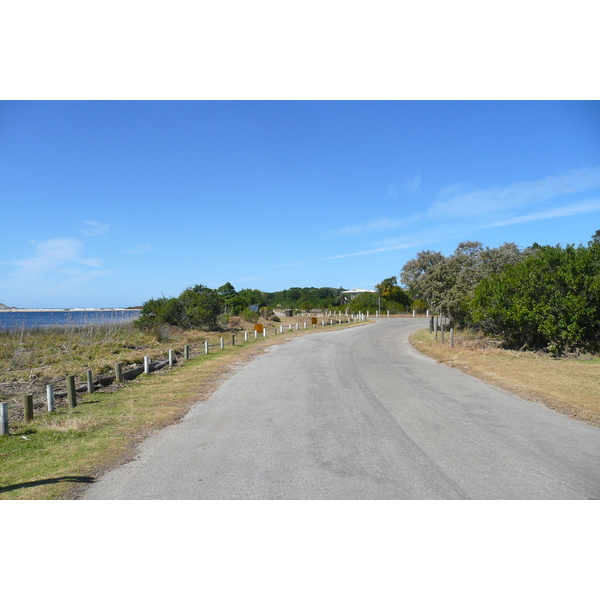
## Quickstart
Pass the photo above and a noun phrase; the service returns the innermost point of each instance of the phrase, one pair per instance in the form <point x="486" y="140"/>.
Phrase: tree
<point x="447" y="284"/>
<point x="391" y="292"/>
<point x="367" y="301"/>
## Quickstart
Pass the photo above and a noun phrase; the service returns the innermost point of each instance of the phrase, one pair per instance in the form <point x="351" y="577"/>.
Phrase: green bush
<point x="549" y="300"/>
<point x="197" y="307"/>
<point x="251" y="316"/>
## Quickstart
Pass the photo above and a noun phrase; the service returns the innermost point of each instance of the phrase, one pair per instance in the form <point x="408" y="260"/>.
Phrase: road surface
<point x="359" y="414"/>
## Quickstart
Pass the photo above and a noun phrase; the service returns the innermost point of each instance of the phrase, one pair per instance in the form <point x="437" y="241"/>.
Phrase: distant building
<point x="348" y="295"/>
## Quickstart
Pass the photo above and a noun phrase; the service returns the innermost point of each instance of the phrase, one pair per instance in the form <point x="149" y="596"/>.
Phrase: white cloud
<point x="588" y="206"/>
<point x="94" y="228"/>
<point x="56" y="265"/>
<point x="463" y="201"/>
<point x="139" y="249"/>
<point x="413" y="186"/>
<point x="380" y="224"/>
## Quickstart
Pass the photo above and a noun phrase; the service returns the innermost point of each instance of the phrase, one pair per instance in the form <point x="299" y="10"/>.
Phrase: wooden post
<point x="71" y="395"/>
<point x="90" y="382"/>
<point x="28" y="408"/>
<point x="233" y="340"/>
<point x="186" y="352"/>
<point x="50" y="397"/>
<point x="171" y="360"/>
<point x="119" y="372"/>
<point x="3" y="418"/>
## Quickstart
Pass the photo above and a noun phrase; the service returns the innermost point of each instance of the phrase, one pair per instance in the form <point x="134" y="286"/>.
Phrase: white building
<point x="348" y="295"/>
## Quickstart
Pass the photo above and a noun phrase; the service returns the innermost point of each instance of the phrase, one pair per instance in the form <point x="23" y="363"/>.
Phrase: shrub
<point x="235" y="322"/>
<point x="549" y="300"/>
<point x="250" y="315"/>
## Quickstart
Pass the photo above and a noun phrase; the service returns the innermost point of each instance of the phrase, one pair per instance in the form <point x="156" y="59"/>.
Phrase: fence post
<point x="119" y="372"/>
<point x="452" y="337"/>
<point x="233" y="340"/>
<point x="442" y="333"/>
<point x="28" y="408"/>
<point x="71" y="395"/>
<point x="171" y="362"/>
<point x="3" y="418"/>
<point x="186" y="352"/>
<point x="90" y="382"/>
<point x="50" y="397"/>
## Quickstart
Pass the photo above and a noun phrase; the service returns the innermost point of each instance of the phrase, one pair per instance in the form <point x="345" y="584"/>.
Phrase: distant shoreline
<point x="67" y="309"/>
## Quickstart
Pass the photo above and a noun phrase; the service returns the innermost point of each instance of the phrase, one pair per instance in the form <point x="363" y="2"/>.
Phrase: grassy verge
<point x="58" y="454"/>
<point x="568" y="385"/>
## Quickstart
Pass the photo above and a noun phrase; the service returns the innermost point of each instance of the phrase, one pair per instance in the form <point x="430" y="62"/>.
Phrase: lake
<point x="63" y="318"/>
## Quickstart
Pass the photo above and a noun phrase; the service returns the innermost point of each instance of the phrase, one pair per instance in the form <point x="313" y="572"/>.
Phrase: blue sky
<point x="112" y="203"/>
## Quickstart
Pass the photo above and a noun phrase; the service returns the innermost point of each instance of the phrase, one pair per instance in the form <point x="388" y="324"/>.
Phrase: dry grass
<point x="567" y="385"/>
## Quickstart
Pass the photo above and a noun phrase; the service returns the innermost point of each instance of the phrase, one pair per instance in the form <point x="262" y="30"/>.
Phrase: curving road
<point x="359" y="414"/>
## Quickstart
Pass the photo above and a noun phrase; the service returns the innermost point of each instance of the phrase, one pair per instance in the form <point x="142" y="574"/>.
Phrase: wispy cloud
<point x="139" y="249"/>
<point x="380" y="224"/>
<point x="463" y="201"/>
<point x="413" y="186"/>
<point x="461" y="211"/>
<point x="588" y="206"/>
<point x="57" y="265"/>
<point x="94" y="228"/>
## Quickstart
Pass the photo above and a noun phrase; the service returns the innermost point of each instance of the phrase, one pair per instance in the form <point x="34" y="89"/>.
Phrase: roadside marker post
<point x="3" y="418"/>
<point x="71" y="395"/>
<point x="90" y="381"/>
<point x="28" y="408"/>
<point x="50" y="397"/>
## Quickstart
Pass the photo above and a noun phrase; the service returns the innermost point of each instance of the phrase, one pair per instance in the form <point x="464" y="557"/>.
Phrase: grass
<point x="58" y="454"/>
<point x="568" y="385"/>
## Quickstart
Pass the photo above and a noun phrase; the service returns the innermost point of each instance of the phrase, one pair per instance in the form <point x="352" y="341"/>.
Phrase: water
<point x="64" y="318"/>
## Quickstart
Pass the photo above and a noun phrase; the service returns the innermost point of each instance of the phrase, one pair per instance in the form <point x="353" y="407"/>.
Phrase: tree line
<point x="204" y="308"/>
<point x="536" y="297"/>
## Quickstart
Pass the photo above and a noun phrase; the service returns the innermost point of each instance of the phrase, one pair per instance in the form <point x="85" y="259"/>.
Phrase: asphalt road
<point x="359" y="414"/>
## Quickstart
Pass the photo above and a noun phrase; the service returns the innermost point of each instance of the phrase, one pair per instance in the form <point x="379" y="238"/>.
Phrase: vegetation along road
<point x="359" y="414"/>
